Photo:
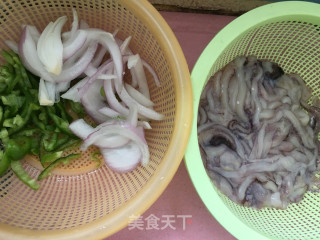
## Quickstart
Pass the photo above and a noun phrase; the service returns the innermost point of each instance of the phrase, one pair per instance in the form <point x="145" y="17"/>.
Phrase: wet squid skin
<point x="257" y="134"/>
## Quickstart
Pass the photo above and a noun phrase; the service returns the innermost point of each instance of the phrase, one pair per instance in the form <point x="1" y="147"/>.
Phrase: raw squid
<point x="258" y="133"/>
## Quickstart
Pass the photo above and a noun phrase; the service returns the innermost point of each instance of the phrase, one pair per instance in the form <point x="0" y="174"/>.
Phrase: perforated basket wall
<point x="80" y="201"/>
<point x="288" y="34"/>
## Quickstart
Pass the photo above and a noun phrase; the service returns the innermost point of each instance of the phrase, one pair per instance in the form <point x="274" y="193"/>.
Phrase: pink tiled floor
<point x="180" y="201"/>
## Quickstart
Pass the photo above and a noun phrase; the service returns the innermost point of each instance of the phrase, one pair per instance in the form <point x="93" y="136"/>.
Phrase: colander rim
<point x="119" y="218"/>
<point x="295" y="10"/>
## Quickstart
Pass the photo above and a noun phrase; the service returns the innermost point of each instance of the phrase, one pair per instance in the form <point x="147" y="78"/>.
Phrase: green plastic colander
<point x="287" y="33"/>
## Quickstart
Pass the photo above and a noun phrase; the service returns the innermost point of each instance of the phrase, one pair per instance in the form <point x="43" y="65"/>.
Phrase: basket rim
<point x="119" y="218"/>
<point x="291" y="10"/>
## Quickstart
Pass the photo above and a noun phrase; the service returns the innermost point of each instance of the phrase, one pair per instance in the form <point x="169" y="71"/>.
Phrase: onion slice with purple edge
<point x="71" y="46"/>
<point x="106" y="39"/>
<point x="74" y="71"/>
<point x="112" y="99"/>
<point x="109" y="112"/>
<point x="50" y="47"/>
<point x="28" y="54"/>
<point x="122" y="159"/>
<point x="80" y="128"/>
<point x="139" y="97"/>
<point x="73" y="92"/>
<point x="83" y="130"/>
<point x="92" y="101"/>
<point x="135" y="65"/>
<point x="146" y="112"/>
<point x="74" y="27"/>
<point x="123" y="129"/>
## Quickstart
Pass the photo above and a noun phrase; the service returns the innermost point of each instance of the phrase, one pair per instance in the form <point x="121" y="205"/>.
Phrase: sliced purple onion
<point x="50" y="48"/>
<point x="74" y="71"/>
<point x="134" y="63"/>
<point x="92" y="101"/>
<point x="73" y="92"/>
<point x="152" y="71"/>
<point x="107" y="41"/>
<point x="109" y="112"/>
<point x="28" y="54"/>
<point x="35" y="34"/>
<point x="101" y="52"/>
<point x="112" y="99"/>
<point x="122" y="159"/>
<point x="106" y="67"/>
<point x="74" y="27"/>
<point x="149" y="113"/>
<point x="139" y="97"/>
<point x="46" y="98"/>
<point x="124" y="47"/>
<point x="71" y="46"/>
<point x="121" y="129"/>
<point x="133" y="115"/>
<point x="80" y="128"/>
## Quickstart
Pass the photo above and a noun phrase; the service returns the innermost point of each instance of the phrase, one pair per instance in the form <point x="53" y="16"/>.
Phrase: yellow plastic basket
<point x="287" y="33"/>
<point x="79" y="201"/>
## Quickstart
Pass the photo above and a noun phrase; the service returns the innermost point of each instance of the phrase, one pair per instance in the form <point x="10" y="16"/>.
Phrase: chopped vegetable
<point x="18" y="169"/>
<point x="26" y="127"/>
<point x="17" y="148"/>
<point x="64" y="160"/>
<point x="42" y="98"/>
<point x="4" y="163"/>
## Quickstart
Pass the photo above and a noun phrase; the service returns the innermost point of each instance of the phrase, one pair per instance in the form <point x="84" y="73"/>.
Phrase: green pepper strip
<point x="13" y="83"/>
<point x="4" y="163"/>
<point x="95" y="158"/>
<point x="7" y="56"/>
<point x="19" y="68"/>
<point x="77" y="108"/>
<point x="62" y="124"/>
<point x="50" y="141"/>
<point x="33" y="80"/>
<point x="17" y="148"/>
<point x="26" y="117"/>
<point x="24" y="74"/>
<point x="66" y="143"/>
<point x="61" y="106"/>
<point x="65" y="160"/>
<point x="28" y="132"/>
<point x="38" y="123"/>
<point x="18" y="169"/>
<point x="1" y="115"/>
<point x="50" y="157"/>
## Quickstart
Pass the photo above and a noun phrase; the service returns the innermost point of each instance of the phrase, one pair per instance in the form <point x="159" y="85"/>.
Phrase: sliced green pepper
<point x="13" y="122"/>
<point x="62" y="124"/>
<point x="65" y="160"/>
<point x="62" y="110"/>
<point x="7" y="56"/>
<point x="38" y="123"/>
<point x="50" y="157"/>
<point x="65" y="143"/>
<point x="26" y="117"/>
<point x="94" y="157"/>
<point x="18" y="169"/>
<point x="50" y="141"/>
<point x="4" y="163"/>
<point x="17" y="148"/>
<point x="77" y="108"/>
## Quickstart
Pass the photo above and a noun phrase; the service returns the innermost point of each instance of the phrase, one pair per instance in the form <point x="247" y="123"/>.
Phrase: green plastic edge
<point x="294" y="10"/>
